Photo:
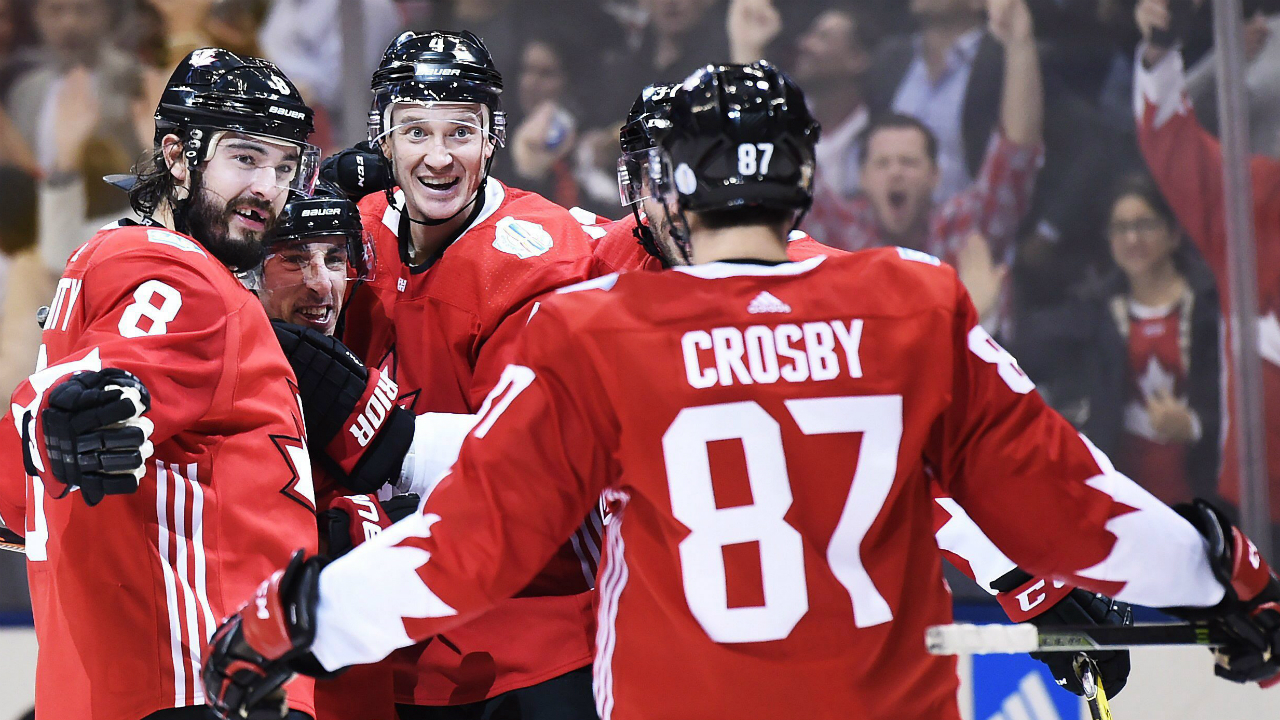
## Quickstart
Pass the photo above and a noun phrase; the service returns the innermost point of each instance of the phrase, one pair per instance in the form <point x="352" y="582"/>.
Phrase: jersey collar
<point x="719" y="270"/>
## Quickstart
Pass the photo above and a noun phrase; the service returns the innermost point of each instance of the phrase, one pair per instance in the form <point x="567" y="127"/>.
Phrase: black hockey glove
<point x="1250" y="611"/>
<point x="1045" y="603"/>
<point x="352" y="519"/>
<point x="358" y="171"/>
<point x="350" y="411"/>
<point x="94" y="434"/>
<point x="264" y="643"/>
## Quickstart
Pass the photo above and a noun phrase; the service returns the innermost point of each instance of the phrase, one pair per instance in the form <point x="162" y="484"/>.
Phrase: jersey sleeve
<point x="1044" y="495"/>
<point x="965" y="546"/>
<point x="146" y="311"/>
<point x="1185" y="160"/>
<point x="527" y="474"/>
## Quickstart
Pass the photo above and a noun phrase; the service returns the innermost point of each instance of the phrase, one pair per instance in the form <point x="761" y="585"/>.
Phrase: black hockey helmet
<point x="436" y="66"/>
<point x="647" y="121"/>
<point x="741" y="136"/>
<point x="327" y="214"/>
<point x="648" y="118"/>
<point x="214" y="90"/>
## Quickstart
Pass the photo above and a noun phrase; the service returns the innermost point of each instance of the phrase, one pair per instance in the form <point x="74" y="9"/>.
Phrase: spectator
<point x="27" y="284"/>
<point x="305" y="37"/>
<point x="1187" y="164"/>
<point x="185" y="26"/>
<point x="1134" y="360"/>
<point x="832" y="56"/>
<point x="1261" y="81"/>
<point x="545" y="131"/>
<point x="74" y="108"/>
<point x="900" y="170"/>
<point x="679" y="37"/>
<point x="14" y="30"/>
<point x="946" y="75"/>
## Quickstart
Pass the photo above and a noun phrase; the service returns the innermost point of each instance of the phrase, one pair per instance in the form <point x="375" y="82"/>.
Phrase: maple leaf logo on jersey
<point x="766" y="302"/>
<point x="388" y="366"/>
<point x="301" y="487"/>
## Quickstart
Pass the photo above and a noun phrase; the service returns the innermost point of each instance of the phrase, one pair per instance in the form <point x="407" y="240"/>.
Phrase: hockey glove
<point x="95" y="434"/>
<point x="1044" y="603"/>
<point x="1250" y="610"/>
<point x="351" y="520"/>
<point x="358" y="171"/>
<point x="264" y="643"/>
<point x="350" y="412"/>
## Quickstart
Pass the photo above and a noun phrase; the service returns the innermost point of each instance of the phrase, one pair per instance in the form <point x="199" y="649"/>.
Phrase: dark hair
<point x="735" y="217"/>
<point x="866" y="30"/>
<point x="898" y="121"/>
<point x="1142" y="186"/>
<point x="155" y="185"/>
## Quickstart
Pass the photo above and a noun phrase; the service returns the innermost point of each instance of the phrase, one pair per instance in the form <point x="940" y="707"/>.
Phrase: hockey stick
<point x="960" y="639"/>
<point x="11" y="541"/>
<point x="1091" y="680"/>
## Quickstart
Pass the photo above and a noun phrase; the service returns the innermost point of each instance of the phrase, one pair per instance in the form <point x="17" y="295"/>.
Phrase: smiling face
<point x="1141" y="240"/>
<point x="438" y="153"/>
<point x="238" y="194"/>
<point x="304" y="282"/>
<point x="899" y="177"/>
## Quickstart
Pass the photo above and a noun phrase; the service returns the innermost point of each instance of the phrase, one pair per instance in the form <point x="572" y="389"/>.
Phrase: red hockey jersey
<point x="763" y="436"/>
<point x="127" y="593"/>
<point x="444" y="333"/>
<point x="1186" y="161"/>
<point x="617" y="249"/>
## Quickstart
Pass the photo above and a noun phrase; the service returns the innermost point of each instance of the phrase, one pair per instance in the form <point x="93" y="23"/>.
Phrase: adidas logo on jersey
<point x="767" y="303"/>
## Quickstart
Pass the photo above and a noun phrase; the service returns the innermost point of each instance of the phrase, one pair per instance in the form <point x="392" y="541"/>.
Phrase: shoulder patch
<point x="918" y="256"/>
<point x="172" y="239"/>
<point x="604" y="282"/>
<point x="521" y="238"/>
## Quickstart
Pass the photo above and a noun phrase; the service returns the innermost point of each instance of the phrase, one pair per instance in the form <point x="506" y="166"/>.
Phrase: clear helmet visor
<point x="635" y="176"/>
<point x="458" y="126"/>
<point x="254" y="159"/>
<point x="307" y="281"/>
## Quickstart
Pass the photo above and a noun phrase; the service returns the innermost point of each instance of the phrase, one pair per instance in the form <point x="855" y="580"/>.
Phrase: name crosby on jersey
<point x="768" y="353"/>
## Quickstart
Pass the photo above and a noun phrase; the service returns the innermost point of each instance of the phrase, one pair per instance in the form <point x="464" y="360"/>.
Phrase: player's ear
<point x="171" y="153"/>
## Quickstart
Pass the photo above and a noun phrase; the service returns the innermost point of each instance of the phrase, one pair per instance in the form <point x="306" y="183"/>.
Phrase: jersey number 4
<point x="781" y="547"/>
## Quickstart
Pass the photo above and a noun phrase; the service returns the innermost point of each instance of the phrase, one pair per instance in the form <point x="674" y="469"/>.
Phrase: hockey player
<point x="630" y="244"/>
<point x="317" y="254"/>
<point x="460" y="259"/>
<point x="156" y="460"/>
<point x="768" y="471"/>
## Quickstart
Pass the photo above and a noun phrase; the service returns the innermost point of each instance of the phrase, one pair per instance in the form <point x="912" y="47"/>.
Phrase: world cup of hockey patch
<point x="521" y="238"/>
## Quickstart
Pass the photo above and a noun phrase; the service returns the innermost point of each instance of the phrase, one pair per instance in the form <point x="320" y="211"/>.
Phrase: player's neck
<point x="747" y="242"/>
<point x="426" y="241"/>
<point x="164" y="215"/>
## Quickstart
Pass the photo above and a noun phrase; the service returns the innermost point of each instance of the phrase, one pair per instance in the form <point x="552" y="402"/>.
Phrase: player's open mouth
<point x="255" y="219"/>
<point x="319" y="315"/>
<point x="439" y="186"/>
<point x="897" y="199"/>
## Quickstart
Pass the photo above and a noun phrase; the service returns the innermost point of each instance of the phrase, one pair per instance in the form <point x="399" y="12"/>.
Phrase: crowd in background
<point x="1029" y="179"/>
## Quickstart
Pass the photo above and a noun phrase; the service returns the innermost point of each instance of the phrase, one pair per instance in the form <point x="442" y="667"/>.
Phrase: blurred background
<point x="1093" y="247"/>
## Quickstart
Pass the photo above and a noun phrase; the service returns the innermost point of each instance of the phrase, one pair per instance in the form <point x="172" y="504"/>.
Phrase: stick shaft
<point x="987" y="639"/>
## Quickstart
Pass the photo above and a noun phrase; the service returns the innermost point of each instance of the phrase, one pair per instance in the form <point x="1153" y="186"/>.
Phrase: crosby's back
<point x="772" y="518"/>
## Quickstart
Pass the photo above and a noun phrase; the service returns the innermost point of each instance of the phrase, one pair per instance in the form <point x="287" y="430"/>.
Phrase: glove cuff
<point x="1032" y="597"/>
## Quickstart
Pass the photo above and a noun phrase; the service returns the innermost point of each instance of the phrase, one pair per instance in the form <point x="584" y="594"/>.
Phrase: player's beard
<point x="209" y="223"/>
